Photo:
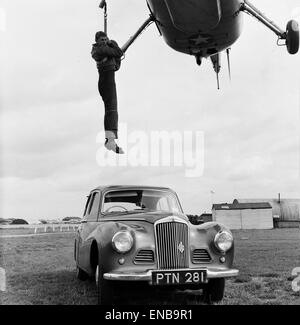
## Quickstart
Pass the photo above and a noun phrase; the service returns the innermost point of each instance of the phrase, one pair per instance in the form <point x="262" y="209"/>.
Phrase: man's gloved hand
<point x="113" y="43"/>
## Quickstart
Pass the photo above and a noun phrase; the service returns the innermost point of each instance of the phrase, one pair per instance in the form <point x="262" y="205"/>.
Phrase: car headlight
<point x="122" y="241"/>
<point x="223" y="240"/>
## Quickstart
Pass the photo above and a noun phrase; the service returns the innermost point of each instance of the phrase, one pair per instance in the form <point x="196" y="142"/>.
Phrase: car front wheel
<point x="214" y="290"/>
<point x="104" y="287"/>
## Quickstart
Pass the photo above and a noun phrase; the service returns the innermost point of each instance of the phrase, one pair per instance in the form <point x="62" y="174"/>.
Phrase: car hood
<point x="150" y="217"/>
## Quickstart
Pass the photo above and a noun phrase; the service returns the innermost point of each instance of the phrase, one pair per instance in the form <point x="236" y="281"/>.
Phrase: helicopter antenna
<point x="218" y="82"/>
<point x="228" y="62"/>
<point x="216" y="61"/>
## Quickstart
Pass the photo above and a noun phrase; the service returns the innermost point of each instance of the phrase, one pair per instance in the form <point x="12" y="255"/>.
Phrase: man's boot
<point x="110" y="143"/>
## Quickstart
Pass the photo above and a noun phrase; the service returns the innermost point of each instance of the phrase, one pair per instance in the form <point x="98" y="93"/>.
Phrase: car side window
<point x="86" y="205"/>
<point x="94" y="207"/>
<point x="91" y="204"/>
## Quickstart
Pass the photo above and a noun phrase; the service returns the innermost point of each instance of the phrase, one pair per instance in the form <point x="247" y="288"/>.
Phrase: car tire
<point x="214" y="290"/>
<point x="80" y="274"/>
<point x="104" y="288"/>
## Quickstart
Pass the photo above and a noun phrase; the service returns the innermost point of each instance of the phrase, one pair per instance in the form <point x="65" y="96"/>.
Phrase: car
<point x="139" y="235"/>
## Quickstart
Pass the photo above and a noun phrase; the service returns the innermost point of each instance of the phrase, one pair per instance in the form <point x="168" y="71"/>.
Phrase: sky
<point x="51" y="112"/>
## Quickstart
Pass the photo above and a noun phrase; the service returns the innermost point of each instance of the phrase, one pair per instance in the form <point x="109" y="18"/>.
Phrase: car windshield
<point x="140" y="200"/>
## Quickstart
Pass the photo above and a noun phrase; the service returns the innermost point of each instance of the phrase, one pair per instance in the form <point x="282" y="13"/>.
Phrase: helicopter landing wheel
<point x="292" y="37"/>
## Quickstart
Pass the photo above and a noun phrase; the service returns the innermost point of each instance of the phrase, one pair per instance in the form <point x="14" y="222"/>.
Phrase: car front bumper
<point x="147" y="276"/>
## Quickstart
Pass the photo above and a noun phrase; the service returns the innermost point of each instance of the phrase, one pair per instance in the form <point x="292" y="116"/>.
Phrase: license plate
<point x="170" y="277"/>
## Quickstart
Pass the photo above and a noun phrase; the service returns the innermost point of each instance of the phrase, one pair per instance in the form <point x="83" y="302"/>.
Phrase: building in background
<point x="257" y="215"/>
<point x="286" y="212"/>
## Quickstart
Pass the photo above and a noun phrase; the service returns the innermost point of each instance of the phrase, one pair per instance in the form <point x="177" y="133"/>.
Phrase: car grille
<point x="172" y="245"/>
<point x="144" y="256"/>
<point x="201" y="256"/>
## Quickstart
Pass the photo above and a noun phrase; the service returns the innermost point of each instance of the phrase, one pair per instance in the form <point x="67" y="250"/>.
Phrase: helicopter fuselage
<point x="198" y="27"/>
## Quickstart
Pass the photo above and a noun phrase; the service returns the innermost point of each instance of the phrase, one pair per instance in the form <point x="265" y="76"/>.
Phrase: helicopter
<point x="205" y="28"/>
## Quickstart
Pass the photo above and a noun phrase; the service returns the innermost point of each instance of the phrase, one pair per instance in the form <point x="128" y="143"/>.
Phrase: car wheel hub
<point x="97" y="275"/>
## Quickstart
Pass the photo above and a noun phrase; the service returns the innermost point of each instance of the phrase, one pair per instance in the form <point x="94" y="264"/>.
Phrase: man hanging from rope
<point x="107" y="55"/>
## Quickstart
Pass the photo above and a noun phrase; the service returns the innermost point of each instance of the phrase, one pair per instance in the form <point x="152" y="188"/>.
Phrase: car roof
<point x="130" y="187"/>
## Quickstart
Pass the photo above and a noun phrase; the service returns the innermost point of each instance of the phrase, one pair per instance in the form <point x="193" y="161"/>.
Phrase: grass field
<point x="41" y="270"/>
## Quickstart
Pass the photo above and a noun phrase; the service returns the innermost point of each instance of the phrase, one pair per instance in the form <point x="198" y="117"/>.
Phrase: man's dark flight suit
<point x="108" y="58"/>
